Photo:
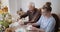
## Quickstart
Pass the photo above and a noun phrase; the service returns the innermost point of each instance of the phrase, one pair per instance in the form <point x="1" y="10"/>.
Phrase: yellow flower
<point x="1" y="11"/>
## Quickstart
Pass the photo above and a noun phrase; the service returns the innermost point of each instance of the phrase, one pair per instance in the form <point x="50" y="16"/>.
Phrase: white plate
<point x="20" y="30"/>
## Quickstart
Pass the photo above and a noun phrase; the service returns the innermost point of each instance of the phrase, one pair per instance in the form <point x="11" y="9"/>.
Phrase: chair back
<point x="57" y="22"/>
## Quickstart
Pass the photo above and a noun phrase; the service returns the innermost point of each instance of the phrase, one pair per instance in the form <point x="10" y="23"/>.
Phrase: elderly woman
<point x="46" y="22"/>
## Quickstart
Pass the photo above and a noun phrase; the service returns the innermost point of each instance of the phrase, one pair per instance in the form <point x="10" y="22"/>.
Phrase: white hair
<point x="32" y="4"/>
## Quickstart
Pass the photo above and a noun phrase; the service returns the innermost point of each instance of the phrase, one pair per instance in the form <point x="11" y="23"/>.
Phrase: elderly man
<point x="33" y="13"/>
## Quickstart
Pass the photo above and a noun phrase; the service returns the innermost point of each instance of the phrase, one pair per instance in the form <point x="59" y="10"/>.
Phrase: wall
<point x="19" y="4"/>
<point x="40" y="3"/>
<point x="56" y="7"/>
<point x="15" y="5"/>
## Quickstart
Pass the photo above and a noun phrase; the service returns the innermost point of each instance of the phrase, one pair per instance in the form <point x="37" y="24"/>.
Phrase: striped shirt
<point x="46" y="24"/>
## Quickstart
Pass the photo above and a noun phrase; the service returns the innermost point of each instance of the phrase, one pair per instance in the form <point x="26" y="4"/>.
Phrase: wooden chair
<point x="57" y="22"/>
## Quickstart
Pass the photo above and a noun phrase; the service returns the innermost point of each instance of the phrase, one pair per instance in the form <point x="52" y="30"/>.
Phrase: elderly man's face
<point x="31" y="7"/>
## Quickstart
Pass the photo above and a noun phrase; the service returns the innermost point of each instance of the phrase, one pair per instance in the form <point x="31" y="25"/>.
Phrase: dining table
<point x="19" y="26"/>
<point x="23" y="28"/>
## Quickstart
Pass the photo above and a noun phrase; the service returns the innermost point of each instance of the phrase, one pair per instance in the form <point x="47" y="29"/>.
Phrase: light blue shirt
<point x="46" y="24"/>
